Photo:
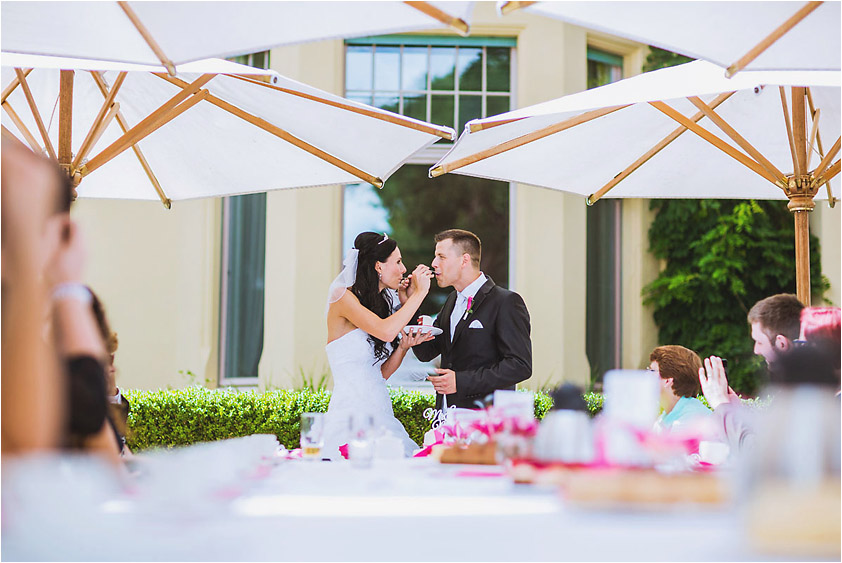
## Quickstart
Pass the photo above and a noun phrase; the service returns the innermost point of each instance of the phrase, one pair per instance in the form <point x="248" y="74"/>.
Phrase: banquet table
<point x="300" y="510"/>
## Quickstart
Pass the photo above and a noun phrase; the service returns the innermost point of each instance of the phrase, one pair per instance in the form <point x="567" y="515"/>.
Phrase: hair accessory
<point x="345" y="279"/>
<point x="385" y="238"/>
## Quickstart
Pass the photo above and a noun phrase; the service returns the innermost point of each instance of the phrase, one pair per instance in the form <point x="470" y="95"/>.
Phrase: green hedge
<point x="196" y="414"/>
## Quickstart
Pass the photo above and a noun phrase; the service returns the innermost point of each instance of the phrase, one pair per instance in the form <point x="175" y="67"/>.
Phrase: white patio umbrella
<point x="771" y="142"/>
<point x="172" y="33"/>
<point x="217" y="129"/>
<point x="764" y="35"/>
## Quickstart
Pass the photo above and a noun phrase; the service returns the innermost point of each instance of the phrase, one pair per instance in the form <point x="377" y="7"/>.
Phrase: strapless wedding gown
<point x="358" y="387"/>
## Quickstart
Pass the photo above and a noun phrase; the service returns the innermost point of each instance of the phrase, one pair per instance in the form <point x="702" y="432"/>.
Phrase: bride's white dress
<point x="358" y="387"/>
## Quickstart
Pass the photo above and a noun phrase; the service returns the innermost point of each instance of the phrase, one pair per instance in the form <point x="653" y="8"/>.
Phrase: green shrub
<point x="184" y="416"/>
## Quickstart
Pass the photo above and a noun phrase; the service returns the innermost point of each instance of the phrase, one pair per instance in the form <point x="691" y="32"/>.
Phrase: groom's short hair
<point x="467" y="242"/>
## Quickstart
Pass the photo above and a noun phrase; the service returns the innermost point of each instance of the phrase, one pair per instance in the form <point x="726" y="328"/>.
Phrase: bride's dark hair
<point x="374" y="247"/>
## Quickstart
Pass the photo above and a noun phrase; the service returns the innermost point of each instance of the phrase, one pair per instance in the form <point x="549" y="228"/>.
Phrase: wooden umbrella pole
<point x="523" y="140"/>
<point x="102" y="116"/>
<point x="509" y="7"/>
<point x="147" y="37"/>
<point x="124" y="125"/>
<point x="767" y="42"/>
<point x="661" y="145"/>
<point x="457" y="24"/>
<point x="802" y="255"/>
<point x="30" y="138"/>
<point x="799" y="126"/>
<point x="394" y="119"/>
<point x="36" y="114"/>
<point x="65" y="119"/>
<point x="7" y="91"/>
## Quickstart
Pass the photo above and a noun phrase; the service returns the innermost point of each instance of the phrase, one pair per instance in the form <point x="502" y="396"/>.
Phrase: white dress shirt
<point x="462" y="302"/>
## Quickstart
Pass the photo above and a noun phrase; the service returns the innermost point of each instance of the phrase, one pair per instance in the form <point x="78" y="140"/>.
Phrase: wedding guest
<point x="775" y="323"/>
<point x="33" y="407"/>
<point x="678" y="367"/>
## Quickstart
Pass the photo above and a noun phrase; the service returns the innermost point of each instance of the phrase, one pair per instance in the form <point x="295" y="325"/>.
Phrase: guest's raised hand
<point x="714" y="382"/>
<point x="420" y="279"/>
<point x="68" y="263"/>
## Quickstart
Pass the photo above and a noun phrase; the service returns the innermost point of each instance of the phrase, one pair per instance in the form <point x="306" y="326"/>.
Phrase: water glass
<point x="312" y="434"/>
<point x="361" y="439"/>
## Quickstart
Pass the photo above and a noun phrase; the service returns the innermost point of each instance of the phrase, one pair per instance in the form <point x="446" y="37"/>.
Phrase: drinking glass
<point x="361" y="440"/>
<point x="312" y="434"/>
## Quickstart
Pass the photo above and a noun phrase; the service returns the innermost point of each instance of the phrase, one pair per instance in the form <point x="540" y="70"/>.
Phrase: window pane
<point x="389" y="103"/>
<point x="600" y="74"/>
<point x="415" y="106"/>
<point x="470" y="107"/>
<point x="358" y="68"/>
<point x="414" y="68"/>
<point x="244" y="285"/>
<point x="470" y="69"/>
<point x="498" y="63"/>
<point x="362" y="97"/>
<point x="441" y="110"/>
<point x="442" y="63"/>
<point x="387" y="68"/>
<point x="495" y="105"/>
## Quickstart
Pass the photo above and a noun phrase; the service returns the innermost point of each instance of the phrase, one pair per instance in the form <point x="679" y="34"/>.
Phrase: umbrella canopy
<point x="737" y="35"/>
<point x="217" y="129"/>
<point x="763" y="135"/>
<point x="172" y="33"/>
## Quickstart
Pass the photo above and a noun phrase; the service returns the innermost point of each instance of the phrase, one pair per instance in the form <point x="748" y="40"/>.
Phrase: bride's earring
<point x="379" y="276"/>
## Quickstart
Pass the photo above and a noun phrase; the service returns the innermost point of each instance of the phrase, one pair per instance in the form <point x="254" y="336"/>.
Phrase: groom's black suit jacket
<point x="496" y="356"/>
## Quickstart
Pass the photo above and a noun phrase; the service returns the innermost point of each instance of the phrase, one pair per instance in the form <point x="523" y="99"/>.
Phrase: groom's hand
<point x="444" y="382"/>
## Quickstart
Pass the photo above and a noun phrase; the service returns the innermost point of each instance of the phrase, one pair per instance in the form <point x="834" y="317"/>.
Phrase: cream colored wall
<point x="157" y="272"/>
<point x="303" y="239"/>
<point x="825" y="224"/>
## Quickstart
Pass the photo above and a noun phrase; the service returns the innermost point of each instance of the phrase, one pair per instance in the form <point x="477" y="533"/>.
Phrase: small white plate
<point x="423" y="329"/>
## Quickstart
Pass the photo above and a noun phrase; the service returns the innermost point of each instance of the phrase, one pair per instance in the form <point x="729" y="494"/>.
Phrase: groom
<point x="485" y="342"/>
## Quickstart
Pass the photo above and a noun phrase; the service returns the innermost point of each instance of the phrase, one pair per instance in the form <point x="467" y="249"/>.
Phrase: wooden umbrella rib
<point x="101" y="116"/>
<point x="789" y="132"/>
<point x="834" y="150"/>
<point x="457" y="24"/>
<point x="35" y="113"/>
<point x="30" y="138"/>
<point x="7" y="91"/>
<point x="714" y="140"/>
<point x="829" y="174"/>
<point x="814" y="131"/>
<point x="65" y="118"/>
<point x="284" y="135"/>
<point x="523" y="140"/>
<point x="124" y="125"/>
<point x="136" y="134"/>
<point x="482" y="126"/>
<point x="150" y="41"/>
<point x="509" y="7"/>
<point x="152" y="122"/>
<point x="767" y="42"/>
<point x="737" y="138"/>
<point x="662" y="144"/>
<point x="394" y="119"/>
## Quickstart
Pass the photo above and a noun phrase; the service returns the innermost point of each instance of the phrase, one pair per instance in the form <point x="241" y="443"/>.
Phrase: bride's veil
<point x="345" y="279"/>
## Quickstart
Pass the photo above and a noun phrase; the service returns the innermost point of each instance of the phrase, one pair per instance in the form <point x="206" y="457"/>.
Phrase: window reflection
<point x="358" y="69"/>
<point x="470" y="69"/>
<point x="387" y="68"/>
<point x="414" y="68"/>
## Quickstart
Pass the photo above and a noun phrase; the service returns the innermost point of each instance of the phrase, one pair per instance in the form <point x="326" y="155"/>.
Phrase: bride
<point x="363" y="326"/>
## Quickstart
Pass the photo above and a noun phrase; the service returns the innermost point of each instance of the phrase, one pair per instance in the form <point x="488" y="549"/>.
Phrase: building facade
<point x="233" y="291"/>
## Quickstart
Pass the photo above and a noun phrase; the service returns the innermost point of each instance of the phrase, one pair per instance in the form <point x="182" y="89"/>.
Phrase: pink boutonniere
<point x="470" y="308"/>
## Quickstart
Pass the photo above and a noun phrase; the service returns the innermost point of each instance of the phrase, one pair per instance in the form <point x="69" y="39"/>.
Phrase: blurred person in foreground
<point x="54" y="379"/>
<point x="678" y="367"/>
<point x="820" y="331"/>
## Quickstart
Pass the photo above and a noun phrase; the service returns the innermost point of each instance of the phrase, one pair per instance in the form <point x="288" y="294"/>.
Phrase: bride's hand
<point x="404" y="289"/>
<point x="420" y="279"/>
<point x="414" y="337"/>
